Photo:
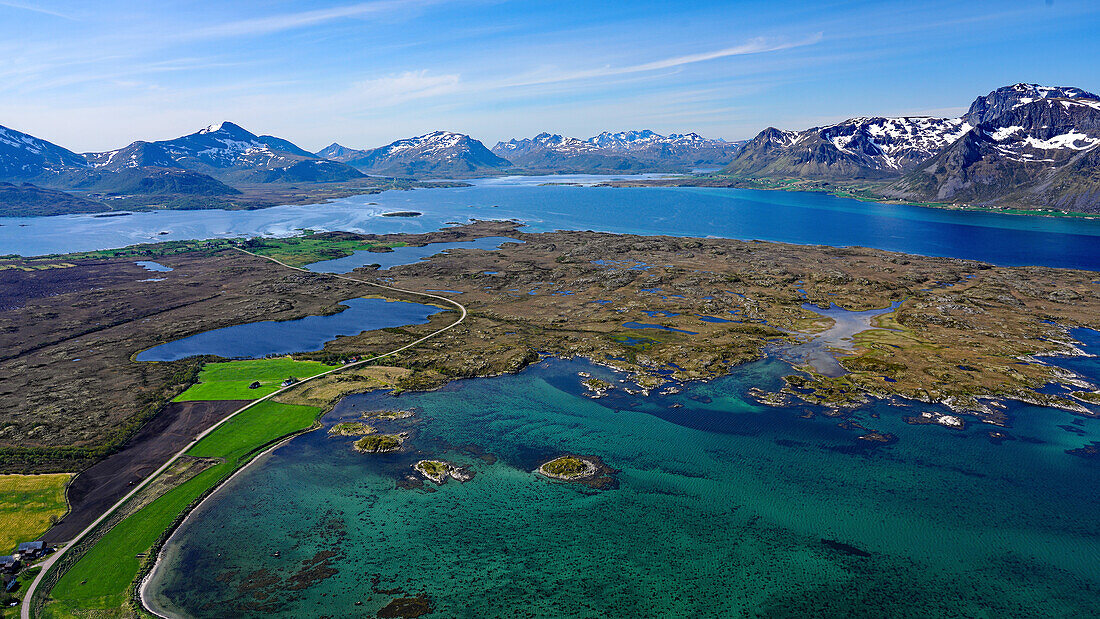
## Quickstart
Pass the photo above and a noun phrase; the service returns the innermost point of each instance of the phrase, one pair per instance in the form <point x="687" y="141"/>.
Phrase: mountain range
<point x="627" y="151"/>
<point x="1022" y="145"/>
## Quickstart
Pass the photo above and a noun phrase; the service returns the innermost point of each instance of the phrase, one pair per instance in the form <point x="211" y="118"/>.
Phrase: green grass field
<point x="302" y="250"/>
<point x="230" y="380"/>
<point x="26" y="504"/>
<point x="99" y="583"/>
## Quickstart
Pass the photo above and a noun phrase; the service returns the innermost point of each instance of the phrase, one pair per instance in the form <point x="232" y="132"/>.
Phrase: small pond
<point x="149" y="265"/>
<point x="260" y="339"/>
<point x="403" y="255"/>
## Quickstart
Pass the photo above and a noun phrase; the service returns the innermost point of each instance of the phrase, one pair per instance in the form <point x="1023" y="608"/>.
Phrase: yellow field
<point x="26" y="504"/>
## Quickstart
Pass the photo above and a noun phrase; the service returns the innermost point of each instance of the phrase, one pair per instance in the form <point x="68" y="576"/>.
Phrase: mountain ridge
<point x="623" y="151"/>
<point x="435" y="153"/>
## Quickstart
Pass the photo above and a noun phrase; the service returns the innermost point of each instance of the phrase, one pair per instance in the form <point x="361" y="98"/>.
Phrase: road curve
<point x="28" y="598"/>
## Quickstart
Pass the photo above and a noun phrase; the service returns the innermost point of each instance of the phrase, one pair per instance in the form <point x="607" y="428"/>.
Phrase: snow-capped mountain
<point x="140" y="154"/>
<point x="436" y="153"/>
<point x="24" y="157"/>
<point x="228" y="152"/>
<point x="1040" y="151"/>
<point x="874" y="147"/>
<point x="632" y="151"/>
<point x="883" y="148"/>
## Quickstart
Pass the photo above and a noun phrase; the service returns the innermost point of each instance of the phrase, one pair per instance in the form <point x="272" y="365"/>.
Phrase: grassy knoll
<point x="303" y="250"/>
<point x="100" y="581"/>
<point x="230" y="380"/>
<point x="27" y="502"/>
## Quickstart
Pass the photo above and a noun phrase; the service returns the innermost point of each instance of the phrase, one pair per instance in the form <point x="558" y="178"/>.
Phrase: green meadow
<point x="230" y="380"/>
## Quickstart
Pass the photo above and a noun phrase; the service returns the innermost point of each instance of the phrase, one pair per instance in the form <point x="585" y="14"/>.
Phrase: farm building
<point x="31" y="550"/>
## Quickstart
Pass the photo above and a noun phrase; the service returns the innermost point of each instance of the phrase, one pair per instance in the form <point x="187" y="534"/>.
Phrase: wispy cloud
<point x="304" y="19"/>
<point x="396" y="89"/>
<point x="35" y="9"/>
<point x="758" y="45"/>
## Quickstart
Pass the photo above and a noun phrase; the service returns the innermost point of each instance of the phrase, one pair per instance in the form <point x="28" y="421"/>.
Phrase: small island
<point x="403" y="214"/>
<point x="586" y="470"/>
<point x="948" y="421"/>
<point x="597" y="387"/>
<point x="387" y="415"/>
<point x="351" y="428"/>
<point x="569" y="468"/>
<point x="379" y="443"/>
<point x="439" y="471"/>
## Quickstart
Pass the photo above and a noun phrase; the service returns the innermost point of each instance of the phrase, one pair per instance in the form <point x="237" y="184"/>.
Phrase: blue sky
<point x="98" y="75"/>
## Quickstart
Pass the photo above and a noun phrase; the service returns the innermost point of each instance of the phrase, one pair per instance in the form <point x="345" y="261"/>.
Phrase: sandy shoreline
<point x="143" y="594"/>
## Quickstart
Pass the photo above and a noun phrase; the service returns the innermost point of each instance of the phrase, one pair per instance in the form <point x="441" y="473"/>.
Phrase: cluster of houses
<point x="11" y="564"/>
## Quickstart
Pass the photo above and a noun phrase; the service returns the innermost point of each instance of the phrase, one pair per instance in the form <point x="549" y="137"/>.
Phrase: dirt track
<point x="100" y="486"/>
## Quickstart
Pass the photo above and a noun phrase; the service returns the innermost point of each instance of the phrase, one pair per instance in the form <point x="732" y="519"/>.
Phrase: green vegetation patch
<point x="434" y="469"/>
<point x="231" y="380"/>
<point x="153" y="250"/>
<point x="1091" y="397"/>
<point x="29" y="504"/>
<point x="303" y="250"/>
<point x="837" y="391"/>
<point x="378" y="443"/>
<point x="568" y="467"/>
<point x="351" y="428"/>
<point x="100" y="580"/>
<point x="871" y="363"/>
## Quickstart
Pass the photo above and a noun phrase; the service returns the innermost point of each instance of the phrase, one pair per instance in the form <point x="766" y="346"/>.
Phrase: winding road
<point x="28" y="598"/>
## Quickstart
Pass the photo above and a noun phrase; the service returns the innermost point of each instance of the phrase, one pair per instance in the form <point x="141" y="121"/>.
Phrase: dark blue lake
<point x="259" y="339"/>
<point x="403" y="255"/>
<point x="731" y="213"/>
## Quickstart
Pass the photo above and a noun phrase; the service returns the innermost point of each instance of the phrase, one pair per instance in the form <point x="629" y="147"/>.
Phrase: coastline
<point x="550" y="258"/>
<point x="712" y="182"/>
<point x="31" y="593"/>
<point x="146" y="577"/>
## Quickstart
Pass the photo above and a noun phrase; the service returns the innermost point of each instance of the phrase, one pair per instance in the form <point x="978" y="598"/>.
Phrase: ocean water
<point x="731" y="213"/>
<point x="269" y="337"/>
<point x="723" y="508"/>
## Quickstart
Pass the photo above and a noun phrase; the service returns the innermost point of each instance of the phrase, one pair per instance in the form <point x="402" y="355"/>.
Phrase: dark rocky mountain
<point x="150" y="180"/>
<point x="1037" y="152"/>
<point x="24" y="157"/>
<point x="337" y="152"/>
<point x="858" y="148"/>
<point x="27" y="200"/>
<point x="626" y="151"/>
<point x="1005" y="99"/>
<point x="440" y="153"/>
<point x="143" y="168"/>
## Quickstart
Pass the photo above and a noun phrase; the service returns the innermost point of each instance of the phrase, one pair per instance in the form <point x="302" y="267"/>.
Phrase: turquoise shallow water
<point x="723" y="508"/>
